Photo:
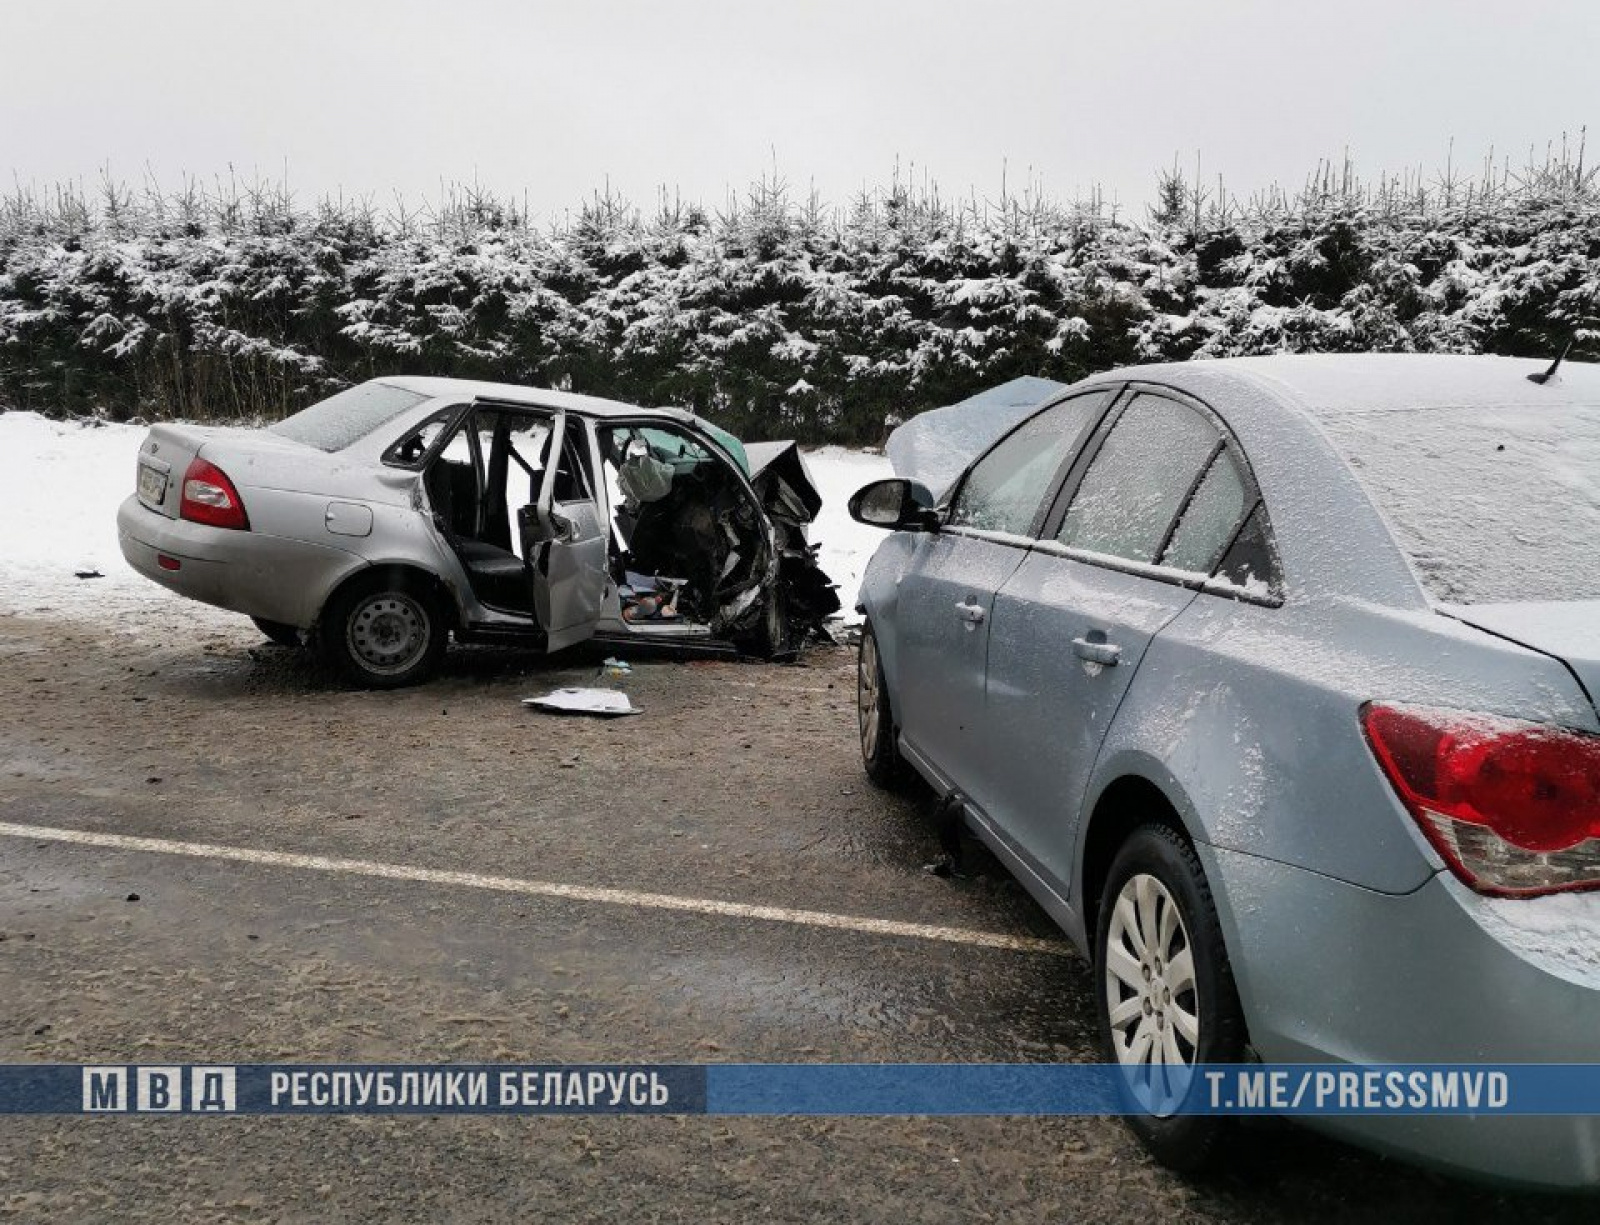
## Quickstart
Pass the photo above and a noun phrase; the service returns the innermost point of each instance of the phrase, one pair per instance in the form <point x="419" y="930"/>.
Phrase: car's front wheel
<point x="384" y="632"/>
<point x="1167" y="997"/>
<point x="880" y="755"/>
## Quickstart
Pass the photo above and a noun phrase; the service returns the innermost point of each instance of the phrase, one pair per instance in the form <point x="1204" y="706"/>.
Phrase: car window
<point x="1250" y="563"/>
<point x="1139" y="479"/>
<point x="335" y="423"/>
<point x="1004" y="489"/>
<point x="1208" y="524"/>
<point x="411" y="450"/>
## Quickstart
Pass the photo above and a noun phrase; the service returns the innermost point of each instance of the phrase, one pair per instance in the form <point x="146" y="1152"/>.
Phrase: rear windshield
<point x="338" y="421"/>
<point x="1491" y="504"/>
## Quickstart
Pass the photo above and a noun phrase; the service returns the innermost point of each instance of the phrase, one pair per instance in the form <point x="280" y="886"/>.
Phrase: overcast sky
<point x="552" y="99"/>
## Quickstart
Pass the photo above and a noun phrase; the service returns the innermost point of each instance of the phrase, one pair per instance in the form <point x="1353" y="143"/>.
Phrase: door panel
<point x="1149" y="515"/>
<point x="569" y="572"/>
<point x="565" y="541"/>
<point x="946" y="596"/>
<point x="948" y="591"/>
<point x="1065" y="639"/>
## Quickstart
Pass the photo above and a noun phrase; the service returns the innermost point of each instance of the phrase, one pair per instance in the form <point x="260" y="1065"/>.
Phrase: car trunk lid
<point x="1568" y="630"/>
<point x="168" y="450"/>
<point x="164" y="456"/>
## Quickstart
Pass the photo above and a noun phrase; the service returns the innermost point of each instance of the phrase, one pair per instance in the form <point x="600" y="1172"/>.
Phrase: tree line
<point x="775" y="314"/>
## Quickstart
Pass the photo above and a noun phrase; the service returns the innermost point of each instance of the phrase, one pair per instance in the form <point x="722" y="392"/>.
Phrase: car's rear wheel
<point x="880" y="755"/>
<point x="277" y="632"/>
<point x="1167" y="997"/>
<point x="384" y="632"/>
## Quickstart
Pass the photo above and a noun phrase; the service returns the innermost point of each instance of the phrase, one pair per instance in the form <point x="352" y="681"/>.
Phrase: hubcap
<point x="1151" y="996"/>
<point x="867" y="695"/>
<point x="388" y="632"/>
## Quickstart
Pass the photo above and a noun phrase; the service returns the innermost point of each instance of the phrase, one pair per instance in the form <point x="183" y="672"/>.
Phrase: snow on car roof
<point x="542" y="397"/>
<point x="1341" y="384"/>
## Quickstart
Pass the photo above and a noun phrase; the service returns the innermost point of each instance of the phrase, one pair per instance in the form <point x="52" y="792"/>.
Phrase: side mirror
<point x="892" y="504"/>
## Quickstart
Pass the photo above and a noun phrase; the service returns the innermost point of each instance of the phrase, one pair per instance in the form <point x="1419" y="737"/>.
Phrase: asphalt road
<point x="739" y="783"/>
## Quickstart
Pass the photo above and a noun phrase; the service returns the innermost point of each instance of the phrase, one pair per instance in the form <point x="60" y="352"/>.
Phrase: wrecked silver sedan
<point x="378" y="522"/>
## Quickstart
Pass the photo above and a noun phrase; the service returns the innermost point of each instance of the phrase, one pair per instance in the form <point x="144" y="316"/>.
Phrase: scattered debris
<point x="133" y="897"/>
<point x="608" y="703"/>
<point x="616" y="667"/>
<point x="950" y="820"/>
<point x="843" y="635"/>
<point x="87" y="574"/>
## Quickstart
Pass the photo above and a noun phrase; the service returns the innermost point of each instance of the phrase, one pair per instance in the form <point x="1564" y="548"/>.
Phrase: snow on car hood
<point x="1568" y="630"/>
<point x="934" y="448"/>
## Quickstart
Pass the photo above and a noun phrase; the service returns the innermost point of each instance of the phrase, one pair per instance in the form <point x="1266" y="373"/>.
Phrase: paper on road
<point x="605" y="702"/>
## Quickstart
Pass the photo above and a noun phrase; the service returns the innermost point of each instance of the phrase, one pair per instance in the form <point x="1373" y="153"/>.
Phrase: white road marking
<point x="538" y="888"/>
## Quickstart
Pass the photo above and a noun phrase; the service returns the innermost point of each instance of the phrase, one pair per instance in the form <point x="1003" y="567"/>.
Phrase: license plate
<point x="152" y="485"/>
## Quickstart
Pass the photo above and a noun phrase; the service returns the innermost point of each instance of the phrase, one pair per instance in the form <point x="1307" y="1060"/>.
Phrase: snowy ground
<point x="63" y="483"/>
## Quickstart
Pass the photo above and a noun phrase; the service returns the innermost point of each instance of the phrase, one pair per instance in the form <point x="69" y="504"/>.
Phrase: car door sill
<point x="681" y="645"/>
<point x="1016" y="860"/>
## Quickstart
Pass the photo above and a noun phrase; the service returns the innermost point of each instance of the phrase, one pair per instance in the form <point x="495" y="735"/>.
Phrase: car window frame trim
<point x="452" y="413"/>
<point x="1190" y="580"/>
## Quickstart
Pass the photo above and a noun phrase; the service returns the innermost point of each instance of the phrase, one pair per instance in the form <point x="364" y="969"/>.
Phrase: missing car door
<point x="693" y="544"/>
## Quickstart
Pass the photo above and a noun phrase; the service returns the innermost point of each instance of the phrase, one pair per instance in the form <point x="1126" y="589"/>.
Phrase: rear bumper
<point x="264" y="576"/>
<point x="1328" y="971"/>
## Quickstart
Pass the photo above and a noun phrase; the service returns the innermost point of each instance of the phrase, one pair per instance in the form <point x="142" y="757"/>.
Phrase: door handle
<point x="972" y="614"/>
<point x="1107" y="653"/>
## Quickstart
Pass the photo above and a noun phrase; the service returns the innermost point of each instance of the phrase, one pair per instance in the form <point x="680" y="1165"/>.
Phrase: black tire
<point x="772" y="638"/>
<point x="384" y="631"/>
<point x="880" y="751"/>
<point x="277" y="632"/>
<point x="1156" y="993"/>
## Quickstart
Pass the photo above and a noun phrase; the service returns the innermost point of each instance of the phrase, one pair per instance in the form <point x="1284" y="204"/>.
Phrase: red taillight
<point x="1513" y="807"/>
<point x="209" y="497"/>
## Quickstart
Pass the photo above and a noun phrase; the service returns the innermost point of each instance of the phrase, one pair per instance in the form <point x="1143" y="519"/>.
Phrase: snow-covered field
<point x="64" y="481"/>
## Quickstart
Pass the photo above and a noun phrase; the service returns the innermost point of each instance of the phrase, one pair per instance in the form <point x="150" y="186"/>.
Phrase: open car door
<point x="564" y="540"/>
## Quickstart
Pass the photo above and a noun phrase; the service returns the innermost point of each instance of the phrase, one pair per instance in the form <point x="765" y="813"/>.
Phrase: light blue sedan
<point x="1274" y="680"/>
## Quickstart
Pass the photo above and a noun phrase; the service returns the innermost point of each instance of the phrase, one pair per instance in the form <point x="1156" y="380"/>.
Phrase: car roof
<point x="1339" y="384"/>
<point x="568" y="401"/>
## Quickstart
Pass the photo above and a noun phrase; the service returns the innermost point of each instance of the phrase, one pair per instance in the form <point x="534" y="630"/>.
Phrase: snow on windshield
<point x="1491" y="504"/>
<point x="335" y="423"/>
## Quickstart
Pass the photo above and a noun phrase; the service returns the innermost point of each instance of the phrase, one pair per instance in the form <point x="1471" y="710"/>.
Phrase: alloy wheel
<point x="867" y="696"/>
<point x="1152" y="998"/>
